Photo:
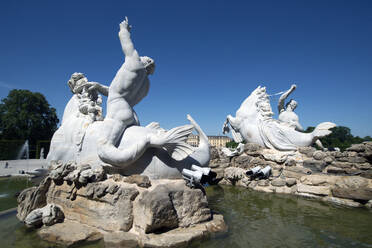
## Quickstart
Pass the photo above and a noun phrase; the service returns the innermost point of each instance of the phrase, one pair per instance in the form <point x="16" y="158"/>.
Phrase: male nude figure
<point x="129" y="87"/>
<point x="287" y="114"/>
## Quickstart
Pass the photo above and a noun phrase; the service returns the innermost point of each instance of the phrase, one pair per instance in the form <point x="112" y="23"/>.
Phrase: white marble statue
<point x="286" y="111"/>
<point x="287" y="114"/>
<point x="254" y="123"/>
<point x="117" y="140"/>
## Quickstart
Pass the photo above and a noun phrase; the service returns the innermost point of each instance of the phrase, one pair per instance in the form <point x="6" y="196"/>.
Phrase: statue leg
<point x="234" y="131"/>
<point x="107" y="146"/>
<point x="119" y="117"/>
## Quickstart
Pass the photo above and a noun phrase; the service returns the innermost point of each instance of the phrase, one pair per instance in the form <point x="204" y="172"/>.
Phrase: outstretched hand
<point x="93" y="86"/>
<point x="124" y="25"/>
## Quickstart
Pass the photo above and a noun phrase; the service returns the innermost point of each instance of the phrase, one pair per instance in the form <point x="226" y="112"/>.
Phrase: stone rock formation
<point x="338" y="177"/>
<point x="76" y="198"/>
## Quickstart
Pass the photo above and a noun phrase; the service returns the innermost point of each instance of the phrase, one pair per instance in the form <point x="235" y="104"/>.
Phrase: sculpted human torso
<point x="291" y="118"/>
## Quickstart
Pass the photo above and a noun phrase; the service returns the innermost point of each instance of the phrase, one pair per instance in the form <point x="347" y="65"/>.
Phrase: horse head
<point x="256" y="106"/>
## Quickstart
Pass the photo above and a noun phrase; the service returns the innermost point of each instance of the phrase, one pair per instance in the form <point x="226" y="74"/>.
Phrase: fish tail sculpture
<point x="322" y="129"/>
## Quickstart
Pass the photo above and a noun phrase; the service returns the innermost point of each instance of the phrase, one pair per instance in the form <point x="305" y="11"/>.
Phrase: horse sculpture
<point x="254" y="124"/>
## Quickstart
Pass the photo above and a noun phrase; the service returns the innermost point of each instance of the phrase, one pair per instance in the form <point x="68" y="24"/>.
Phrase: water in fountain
<point x="24" y="151"/>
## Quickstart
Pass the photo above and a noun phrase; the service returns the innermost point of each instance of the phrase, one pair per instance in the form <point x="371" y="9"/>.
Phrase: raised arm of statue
<point x="126" y="41"/>
<point x="283" y="97"/>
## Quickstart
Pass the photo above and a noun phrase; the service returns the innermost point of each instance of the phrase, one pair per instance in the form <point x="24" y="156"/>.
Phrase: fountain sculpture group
<point x="115" y="180"/>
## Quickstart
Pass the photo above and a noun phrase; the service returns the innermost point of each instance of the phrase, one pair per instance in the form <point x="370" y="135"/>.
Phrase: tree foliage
<point x="26" y="115"/>
<point x="231" y="144"/>
<point x="340" y="137"/>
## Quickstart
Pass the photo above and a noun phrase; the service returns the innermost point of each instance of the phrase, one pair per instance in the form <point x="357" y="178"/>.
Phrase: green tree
<point x="231" y="144"/>
<point x="26" y="115"/>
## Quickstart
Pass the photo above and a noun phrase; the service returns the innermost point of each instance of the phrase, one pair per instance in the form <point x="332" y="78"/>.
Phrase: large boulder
<point x="353" y="187"/>
<point x="105" y="202"/>
<point x="168" y="206"/>
<point x="69" y="233"/>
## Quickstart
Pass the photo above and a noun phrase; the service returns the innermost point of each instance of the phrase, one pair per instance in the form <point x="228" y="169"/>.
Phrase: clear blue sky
<point x="209" y="54"/>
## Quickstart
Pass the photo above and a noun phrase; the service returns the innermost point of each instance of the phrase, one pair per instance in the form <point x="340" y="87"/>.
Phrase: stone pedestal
<point x="123" y="211"/>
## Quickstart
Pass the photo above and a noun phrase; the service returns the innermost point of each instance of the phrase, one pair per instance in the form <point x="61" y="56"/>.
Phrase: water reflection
<point x="259" y="219"/>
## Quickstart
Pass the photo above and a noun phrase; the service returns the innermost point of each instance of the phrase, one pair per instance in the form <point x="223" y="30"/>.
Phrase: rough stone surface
<point x="314" y="165"/>
<point x="32" y="198"/>
<point x="318" y="180"/>
<point x="316" y="190"/>
<point x="274" y="156"/>
<point x="306" y="172"/>
<point x="48" y="215"/>
<point x="234" y="174"/>
<point x="242" y="161"/>
<point x="182" y="237"/>
<point x="164" y="208"/>
<point x="191" y="206"/>
<point x="290" y="182"/>
<point x="343" y="165"/>
<point x="69" y="233"/>
<point x="290" y="162"/>
<point x="356" y="148"/>
<point x="319" y="155"/>
<point x="329" y="159"/>
<point x="140" y="180"/>
<point x="120" y="240"/>
<point x="366" y="174"/>
<point x="307" y="150"/>
<point x="263" y="183"/>
<point x="252" y="148"/>
<point x="357" y="188"/>
<point x="214" y="153"/>
<point x="93" y="205"/>
<point x="278" y="182"/>
<point x="295" y="172"/>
